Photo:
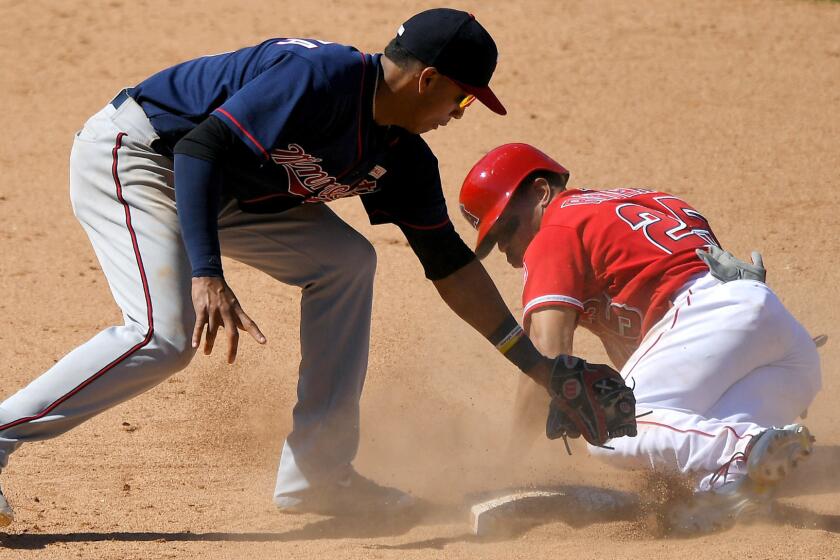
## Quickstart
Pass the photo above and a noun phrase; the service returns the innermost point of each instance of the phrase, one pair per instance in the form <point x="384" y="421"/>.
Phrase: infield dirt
<point x="732" y="105"/>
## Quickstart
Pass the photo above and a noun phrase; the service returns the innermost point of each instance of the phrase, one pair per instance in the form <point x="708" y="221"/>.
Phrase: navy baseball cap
<point x="458" y="46"/>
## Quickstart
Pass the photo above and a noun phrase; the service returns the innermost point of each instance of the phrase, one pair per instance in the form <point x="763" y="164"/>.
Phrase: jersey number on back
<point x="664" y="229"/>
<point x="303" y="43"/>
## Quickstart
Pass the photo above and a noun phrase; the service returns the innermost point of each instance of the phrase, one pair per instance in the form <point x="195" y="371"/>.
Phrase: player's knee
<point x="809" y="365"/>
<point x="367" y="258"/>
<point x="766" y="304"/>
<point x="172" y="354"/>
<point x="358" y="260"/>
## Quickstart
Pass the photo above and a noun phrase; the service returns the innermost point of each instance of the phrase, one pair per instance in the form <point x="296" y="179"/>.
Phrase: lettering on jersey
<point x="664" y="228"/>
<point x="619" y="326"/>
<point x="597" y="197"/>
<point x="306" y="43"/>
<point x="601" y="315"/>
<point x="308" y="180"/>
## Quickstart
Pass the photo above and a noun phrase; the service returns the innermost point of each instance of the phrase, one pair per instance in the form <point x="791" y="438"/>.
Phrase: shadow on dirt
<point x="360" y="527"/>
<point x="323" y="529"/>
<point x="817" y="478"/>
<point x="802" y="518"/>
<point x="575" y="506"/>
<point x="341" y="529"/>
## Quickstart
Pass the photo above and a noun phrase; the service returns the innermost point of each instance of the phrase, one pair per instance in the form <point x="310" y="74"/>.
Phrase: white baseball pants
<point x="123" y="194"/>
<point x="726" y="362"/>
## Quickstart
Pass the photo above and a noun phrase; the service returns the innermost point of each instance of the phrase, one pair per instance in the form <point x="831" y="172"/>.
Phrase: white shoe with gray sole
<point x="770" y="457"/>
<point x="777" y="451"/>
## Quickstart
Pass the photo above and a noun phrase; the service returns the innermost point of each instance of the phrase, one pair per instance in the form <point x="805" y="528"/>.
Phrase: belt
<point x="121" y="97"/>
<point x="157" y="145"/>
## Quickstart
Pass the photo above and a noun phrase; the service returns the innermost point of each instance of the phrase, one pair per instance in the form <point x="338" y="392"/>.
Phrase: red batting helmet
<point x="491" y="182"/>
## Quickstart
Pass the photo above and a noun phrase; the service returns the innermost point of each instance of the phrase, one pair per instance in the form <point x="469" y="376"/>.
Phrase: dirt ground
<point x="733" y="105"/>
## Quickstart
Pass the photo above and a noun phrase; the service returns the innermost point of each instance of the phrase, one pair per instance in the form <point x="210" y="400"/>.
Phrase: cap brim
<point x="486" y="96"/>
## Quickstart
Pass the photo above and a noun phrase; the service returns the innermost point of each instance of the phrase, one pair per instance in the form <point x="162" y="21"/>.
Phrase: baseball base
<point x="514" y="510"/>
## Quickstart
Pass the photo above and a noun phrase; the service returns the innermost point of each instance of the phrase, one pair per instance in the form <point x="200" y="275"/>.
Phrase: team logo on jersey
<point x="377" y="172"/>
<point x="605" y="317"/>
<point x="307" y="179"/>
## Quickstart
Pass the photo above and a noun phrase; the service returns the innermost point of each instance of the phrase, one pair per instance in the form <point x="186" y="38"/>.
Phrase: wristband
<point x="523" y="354"/>
<point x="503" y="331"/>
<point x="515" y="345"/>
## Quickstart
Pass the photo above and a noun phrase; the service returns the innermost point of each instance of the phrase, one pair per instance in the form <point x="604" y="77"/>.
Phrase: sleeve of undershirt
<point x="198" y="190"/>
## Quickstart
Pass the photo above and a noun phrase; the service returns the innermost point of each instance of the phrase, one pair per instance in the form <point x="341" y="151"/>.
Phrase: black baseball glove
<point x="589" y="400"/>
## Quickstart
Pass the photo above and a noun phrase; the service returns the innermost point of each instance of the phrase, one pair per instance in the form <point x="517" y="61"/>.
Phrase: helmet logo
<point x="471" y="218"/>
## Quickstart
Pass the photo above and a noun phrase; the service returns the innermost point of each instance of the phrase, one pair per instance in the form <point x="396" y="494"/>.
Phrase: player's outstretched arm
<point x="471" y="294"/>
<point x="589" y="400"/>
<point x="198" y="193"/>
<point x="216" y="306"/>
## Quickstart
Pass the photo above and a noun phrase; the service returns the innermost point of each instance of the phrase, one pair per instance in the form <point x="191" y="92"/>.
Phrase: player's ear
<point x="543" y="191"/>
<point x="427" y="77"/>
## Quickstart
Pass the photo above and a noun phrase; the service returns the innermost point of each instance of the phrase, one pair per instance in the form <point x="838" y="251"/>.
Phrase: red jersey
<point x="617" y="256"/>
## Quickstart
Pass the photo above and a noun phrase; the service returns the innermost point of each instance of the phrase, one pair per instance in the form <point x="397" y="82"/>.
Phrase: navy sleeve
<point x="410" y="193"/>
<point x="198" y="188"/>
<point x="441" y="251"/>
<point x="291" y="98"/>
<point x="411" y="197"/>
<point x="209" y="141"/>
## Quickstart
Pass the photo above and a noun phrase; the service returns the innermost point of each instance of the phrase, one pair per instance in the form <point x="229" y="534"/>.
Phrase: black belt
<point x="121" y="97"/>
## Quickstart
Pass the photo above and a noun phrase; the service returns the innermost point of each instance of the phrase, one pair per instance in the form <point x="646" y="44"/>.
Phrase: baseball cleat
<point x="351" y="495"/>
<point x="777" y="451"/>
<point x="719" y="509"/>
<point x="6" y="513"/>
<point x="771" y="456"/>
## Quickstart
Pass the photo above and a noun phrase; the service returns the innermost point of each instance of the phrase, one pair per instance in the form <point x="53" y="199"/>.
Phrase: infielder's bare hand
<point x="216" y="306"/>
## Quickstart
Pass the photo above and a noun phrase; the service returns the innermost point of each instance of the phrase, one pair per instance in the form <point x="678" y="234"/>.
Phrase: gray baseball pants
<point x="123" y="194"/>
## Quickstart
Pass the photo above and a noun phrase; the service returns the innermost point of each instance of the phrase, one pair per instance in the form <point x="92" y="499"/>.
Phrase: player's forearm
<point x="198" y="194"/>
<point x="471" y="294"/>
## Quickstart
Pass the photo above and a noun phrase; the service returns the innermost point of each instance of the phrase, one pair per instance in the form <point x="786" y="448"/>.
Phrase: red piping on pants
<point x="149" y="317"/>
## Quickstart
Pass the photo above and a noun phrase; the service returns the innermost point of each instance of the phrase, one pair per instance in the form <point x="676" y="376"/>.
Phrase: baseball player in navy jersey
<point x="720" y="368"/>
<point x="235" y="154"/>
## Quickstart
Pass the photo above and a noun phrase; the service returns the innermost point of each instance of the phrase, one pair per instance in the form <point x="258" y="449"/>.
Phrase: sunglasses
<point x="465" y="101"/>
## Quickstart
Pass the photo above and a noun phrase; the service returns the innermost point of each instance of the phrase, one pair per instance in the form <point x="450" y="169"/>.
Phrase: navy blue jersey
<point x="303" y="111"/>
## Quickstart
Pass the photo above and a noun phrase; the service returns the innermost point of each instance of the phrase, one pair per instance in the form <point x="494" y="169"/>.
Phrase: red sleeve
<point x="555" y="271"/>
